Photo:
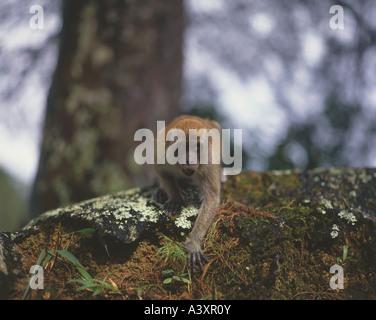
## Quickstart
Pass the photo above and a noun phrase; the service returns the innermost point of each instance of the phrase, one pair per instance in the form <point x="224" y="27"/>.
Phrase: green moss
<point x="316" y="220"/>
<point x="276" y="236"/>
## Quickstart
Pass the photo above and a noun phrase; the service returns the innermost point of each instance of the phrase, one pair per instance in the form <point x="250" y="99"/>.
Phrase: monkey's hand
<point x="160" y="195"/>
<point x="195" y="255"/>
<point x="173" y="206"/>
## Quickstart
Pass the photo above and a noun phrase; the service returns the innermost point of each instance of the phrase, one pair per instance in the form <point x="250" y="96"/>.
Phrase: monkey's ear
<point x="215" y="124"/>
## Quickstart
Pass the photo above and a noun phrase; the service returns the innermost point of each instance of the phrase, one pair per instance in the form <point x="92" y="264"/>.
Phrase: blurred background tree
<point x="13" y="200"/>
<point x="119" y="70"/>
<point x="303" y="93"/>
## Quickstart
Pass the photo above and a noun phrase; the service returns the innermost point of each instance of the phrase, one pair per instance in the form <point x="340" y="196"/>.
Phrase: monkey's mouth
<point x="188" y="172"/>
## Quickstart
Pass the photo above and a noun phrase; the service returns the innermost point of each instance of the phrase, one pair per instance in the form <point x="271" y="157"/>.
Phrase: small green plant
<point x="210" y="239"/>
<point x="141" y="289"/>
<point x="171" y="277"/>
<point x="95" y="285"/>
<point x="172" y="250"/>
<point x="39" y="262"/>
<point x="345" y="257"/>
<point x="87" y="281"/>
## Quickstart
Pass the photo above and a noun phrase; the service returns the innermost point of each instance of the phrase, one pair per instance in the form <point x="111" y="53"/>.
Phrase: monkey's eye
<point x="196" y="147"/>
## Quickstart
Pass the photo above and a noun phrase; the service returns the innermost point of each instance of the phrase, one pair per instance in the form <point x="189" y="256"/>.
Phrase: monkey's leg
<point x="203" y="222"/>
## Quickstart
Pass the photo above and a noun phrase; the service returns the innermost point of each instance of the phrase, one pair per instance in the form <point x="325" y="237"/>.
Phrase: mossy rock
<point x="276" y="236"/>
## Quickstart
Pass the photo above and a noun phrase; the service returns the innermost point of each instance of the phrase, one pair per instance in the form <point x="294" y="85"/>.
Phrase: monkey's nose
<point x="188" y="171"/>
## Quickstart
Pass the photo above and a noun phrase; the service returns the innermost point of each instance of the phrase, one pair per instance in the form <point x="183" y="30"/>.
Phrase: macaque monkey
<point x="207" y="176"/>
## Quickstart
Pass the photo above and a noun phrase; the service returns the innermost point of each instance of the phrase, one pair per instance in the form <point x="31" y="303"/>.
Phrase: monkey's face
<point x="192" y="156"/>
<point x="188" y="150"/>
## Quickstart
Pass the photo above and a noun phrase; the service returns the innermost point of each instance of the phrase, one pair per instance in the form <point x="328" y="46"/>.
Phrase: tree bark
<point x="119" y="69"/>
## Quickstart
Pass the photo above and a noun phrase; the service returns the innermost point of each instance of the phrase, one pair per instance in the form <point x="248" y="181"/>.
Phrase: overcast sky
<point x="19" y="140"/>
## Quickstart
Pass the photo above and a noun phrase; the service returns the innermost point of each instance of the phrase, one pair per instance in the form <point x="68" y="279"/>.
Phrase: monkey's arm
<point x="210" y="192"/>
<point x="169" y="192"/>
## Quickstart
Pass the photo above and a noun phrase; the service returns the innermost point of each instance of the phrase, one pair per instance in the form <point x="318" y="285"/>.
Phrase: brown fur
<point x="206" y="176"/>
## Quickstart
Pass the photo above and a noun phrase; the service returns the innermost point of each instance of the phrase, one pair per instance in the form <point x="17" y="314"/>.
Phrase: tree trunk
<point x="119" y="69"/>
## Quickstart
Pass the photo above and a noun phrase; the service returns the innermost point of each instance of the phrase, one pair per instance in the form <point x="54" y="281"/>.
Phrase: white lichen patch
<point x="147" y="213"/>
<point x="279" y="173"/>
<point x="335" y="231"/>
<point x="335" y="171"/>
<point x="365" y="178"/>
<point x="133" y="205"/>
<point x="122" y="213"/>
<point x="98" y="205"/>
<point x="133" y="234"/>
<point x="348" y="216"/>
<point x="326" y="203"/>
<point x="182" y="222"/>
<point x="187" y="212"/>
<point x="137" y="205"/>
<point x="352" y="194"/>
<point x="51" y="213"/>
